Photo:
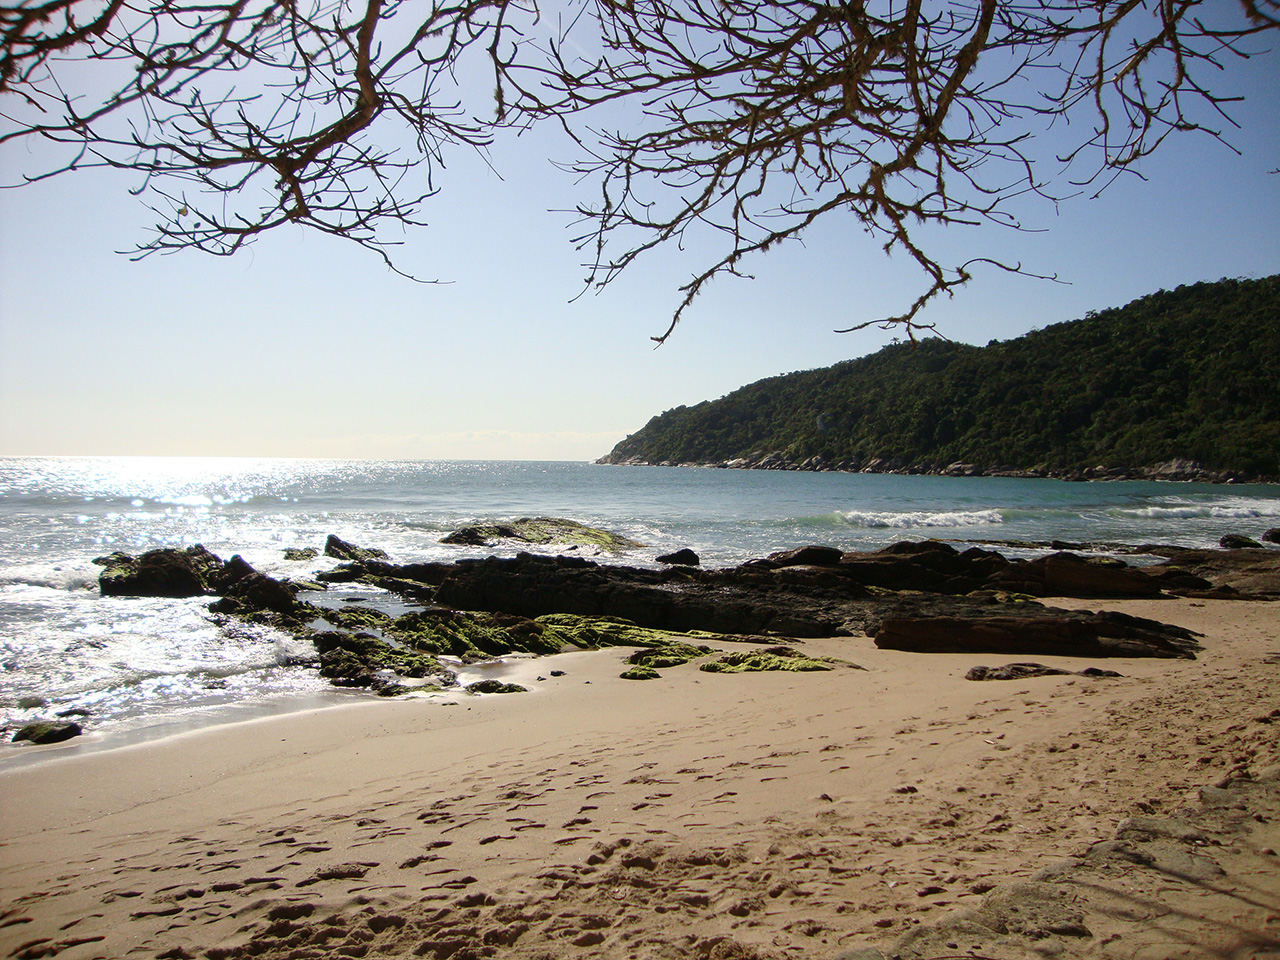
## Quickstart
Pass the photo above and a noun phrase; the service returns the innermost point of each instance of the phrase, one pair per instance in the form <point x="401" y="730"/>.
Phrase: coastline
<point x="1173" y="471"/>
<point x="758" y="815"/>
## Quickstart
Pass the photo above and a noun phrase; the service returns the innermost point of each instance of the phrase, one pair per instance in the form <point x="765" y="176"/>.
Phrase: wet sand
<point x="699" y="815"/>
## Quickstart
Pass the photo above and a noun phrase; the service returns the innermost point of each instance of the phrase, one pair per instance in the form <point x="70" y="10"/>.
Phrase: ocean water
<point x="149" y="666"/>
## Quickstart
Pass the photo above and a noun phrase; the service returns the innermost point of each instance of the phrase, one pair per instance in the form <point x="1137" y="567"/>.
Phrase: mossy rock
<point x="496" y="686"/>
<point x="641" y="673"/>
<point x="776" y="658"/>
<point x="671" y="654"/>
<point x="345" y="669"/>
<point x="47" y="731"/>
<point x="544" y="531"/>
<point x="472" y="636"/>
<point x="356" y="618"/>
<point x="592" y="633"/>
<point x="301" y="553"/>
<point x="347" y="657"/>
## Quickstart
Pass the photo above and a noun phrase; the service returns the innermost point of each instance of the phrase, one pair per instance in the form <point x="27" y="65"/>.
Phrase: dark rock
<point x="683" y="557"/>
<point x="1272" y="535"/>
<point x="1235" y="541"/>
<point x="925" y="565"/>
<point x="676" y="598"/>
<point x="640" y="673"/>
<point x="48" y="731"/>
<point x="344" y="668"/>
<point x="1050" y="633"/>
<point x="354" y="660"/>
<point x="245" y="590"/>
<point x="301" y="553"/>
<point x="339" y="549"/>
<point x="1022" y="671"/>
<point x="671" y="654"/>
<point x="810" y="556"/>
<point x="496" y="686"/>
<point x="159" y="573"/>
<point x="1247" y="572"/>
<point x="1070" y="575"/>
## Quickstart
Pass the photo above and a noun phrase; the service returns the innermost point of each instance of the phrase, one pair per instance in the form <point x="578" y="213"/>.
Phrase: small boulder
<point x="1234" y="541"/>
<point x="640" y="673"/>
<point x="339" y="549"/>
<point x="810" y="556"/>
<point x="496" y="686"/>
<point x="1272" y="535"/>
<point x="48" y="731"/>
<point x="683" y="557"/>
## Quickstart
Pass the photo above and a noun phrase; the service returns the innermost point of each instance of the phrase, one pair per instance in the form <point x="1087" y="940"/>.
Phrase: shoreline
<point x="1172" y="472"/>
<point x="139" y="733"/>
<point x="718" y="816"/>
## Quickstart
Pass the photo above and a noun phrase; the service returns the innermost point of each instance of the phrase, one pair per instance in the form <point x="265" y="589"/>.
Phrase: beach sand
<point x="772" y="815"/>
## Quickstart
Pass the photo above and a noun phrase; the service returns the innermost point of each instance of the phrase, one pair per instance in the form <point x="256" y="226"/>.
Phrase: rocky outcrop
<point x="1070" y="575"/>
<point x="1045" y="632"/>
<point x="813" y="555"/>
<point x="1243" y="574"/>
<point x="253" y="591"/>
<point x="1181" y="470"/>
<point x="339" y="549"/>
<point x="917" y="596"/>
<point x="159" y="573"/>
<point x="678" y="598"/>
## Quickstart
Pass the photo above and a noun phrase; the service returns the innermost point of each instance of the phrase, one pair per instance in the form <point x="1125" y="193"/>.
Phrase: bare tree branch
<point x="745" y="120"/>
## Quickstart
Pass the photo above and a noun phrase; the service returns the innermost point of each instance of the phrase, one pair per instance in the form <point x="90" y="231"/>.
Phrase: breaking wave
<point x="914" y="519"/>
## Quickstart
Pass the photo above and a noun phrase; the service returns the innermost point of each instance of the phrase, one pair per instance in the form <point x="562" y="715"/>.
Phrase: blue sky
<point x="308" y="346"/>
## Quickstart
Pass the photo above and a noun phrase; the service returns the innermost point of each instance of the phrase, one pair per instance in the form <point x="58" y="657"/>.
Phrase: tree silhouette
<point x="750" y="119"/>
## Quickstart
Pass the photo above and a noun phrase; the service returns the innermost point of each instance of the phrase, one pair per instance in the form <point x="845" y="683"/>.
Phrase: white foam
<point x="922" y="518"/>
<point x="1235" y="509"/>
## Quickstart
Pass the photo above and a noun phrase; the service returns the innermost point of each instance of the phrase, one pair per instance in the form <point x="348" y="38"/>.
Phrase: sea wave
<point x="50" y="577"/>
<point x="1237" y="510"/>
<point x="911" y="519"/>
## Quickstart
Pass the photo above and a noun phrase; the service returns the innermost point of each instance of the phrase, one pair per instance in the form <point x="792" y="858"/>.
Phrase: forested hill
<point x="1185" y="375"/>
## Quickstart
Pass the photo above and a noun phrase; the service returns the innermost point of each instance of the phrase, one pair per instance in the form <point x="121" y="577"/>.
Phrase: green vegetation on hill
<point x="1188" y="374"/>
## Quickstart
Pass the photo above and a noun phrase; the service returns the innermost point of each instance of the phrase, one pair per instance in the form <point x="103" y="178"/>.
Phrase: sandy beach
<point x="702" y="815"/>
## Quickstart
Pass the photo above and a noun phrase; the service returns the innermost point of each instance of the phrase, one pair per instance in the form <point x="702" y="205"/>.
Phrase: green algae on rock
<point x="356" y="618"/>
<point x="775" y="658"/>
<point x="542" y="531"/>
<point x="352" y="659"/>
<point x="472" y="636"/>
<point x="47" y="731"/>
<point x="496" y="686"/>
<point x="671" y="654"/>
<point x="640" y="673"/>
<point x="592" y="633"/>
